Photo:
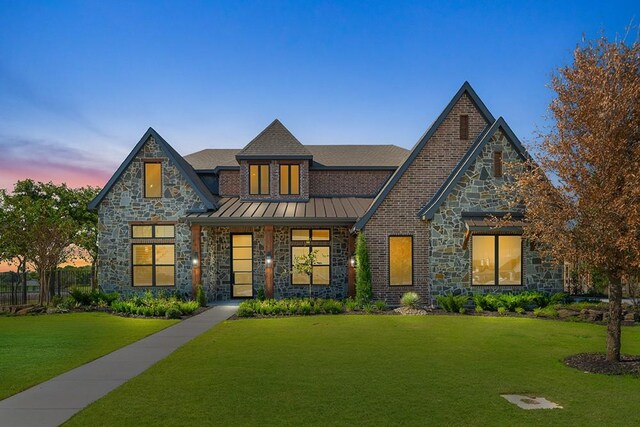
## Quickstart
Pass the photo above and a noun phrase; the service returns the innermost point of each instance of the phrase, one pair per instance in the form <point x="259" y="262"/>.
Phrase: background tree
<point x="582" y="196"/>
<point x="86" y="236"/>
<point x="364" y="294"/>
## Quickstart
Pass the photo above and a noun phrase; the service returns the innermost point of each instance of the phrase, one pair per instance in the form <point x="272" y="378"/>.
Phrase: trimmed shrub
<point x="200" y="296"/>
<point x="410" y="299"/>
<point x="364" y="292"/>
<point x="173" y="313"/>
<point x="350" y="305"/>
<point x="381" y="305"/>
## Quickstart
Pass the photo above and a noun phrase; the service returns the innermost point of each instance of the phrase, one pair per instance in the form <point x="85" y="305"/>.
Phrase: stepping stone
<point x="528" y="402"/>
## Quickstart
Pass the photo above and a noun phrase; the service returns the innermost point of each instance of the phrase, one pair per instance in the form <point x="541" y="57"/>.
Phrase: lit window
<point x="321" y="270"/>
<point x="289" y="179"/>
<point x="496" y="260"/>
<point x="400" y="260"/>
<point x="320" y="244"/>
<point x="153" y="259"/>
<point x="152" y="180"/>
<point x="259" y="179"/>
<point x="305" y="235"/>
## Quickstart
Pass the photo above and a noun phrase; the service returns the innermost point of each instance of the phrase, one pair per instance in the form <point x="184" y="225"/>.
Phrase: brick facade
<point x="366" y="183"/>
<point x="229" y="182"/>
<point x="397" y="213"/>
<point x="274" y="180"/>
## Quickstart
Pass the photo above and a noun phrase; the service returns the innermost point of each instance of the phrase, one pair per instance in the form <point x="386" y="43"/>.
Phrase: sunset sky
<point x="81" y="81"/>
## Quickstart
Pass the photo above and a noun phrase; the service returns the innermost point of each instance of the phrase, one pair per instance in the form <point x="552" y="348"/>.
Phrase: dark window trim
<point x="497" y="261"/>
<point x="153" y="229"/>
<point x="299" y="242"/>
<point x="260" y="166"/>
<point x="231" y="275"/>
<point x="289" y="174"/>
<point x="309" y="247"/>
<point x="308" y="244"/>
<point x="153" y="265"/>
<point x="144" y="178"/>
<point x="153" y="241"/>
<point x="413" y="279"/>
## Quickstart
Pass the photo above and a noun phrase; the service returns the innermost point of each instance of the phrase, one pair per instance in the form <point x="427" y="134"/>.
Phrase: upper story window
<point x="289" y="179"/>
<point x="152" y="179"/>
<point x="258" y="179"/>
<point x="497" y="164"/>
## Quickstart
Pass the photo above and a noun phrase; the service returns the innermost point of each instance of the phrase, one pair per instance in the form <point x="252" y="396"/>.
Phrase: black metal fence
<point x="19" y="289"/>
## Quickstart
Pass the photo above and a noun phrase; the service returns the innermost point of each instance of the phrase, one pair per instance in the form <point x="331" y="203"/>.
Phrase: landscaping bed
<point x="597" y="363"/>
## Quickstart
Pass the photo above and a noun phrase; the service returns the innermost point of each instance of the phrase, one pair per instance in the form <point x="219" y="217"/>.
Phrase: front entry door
<point x="241" y="266"/>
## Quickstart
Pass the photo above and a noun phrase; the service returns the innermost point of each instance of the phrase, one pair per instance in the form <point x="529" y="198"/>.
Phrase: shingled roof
<point x="274" y="142"/>
<point x="324" y="157"/>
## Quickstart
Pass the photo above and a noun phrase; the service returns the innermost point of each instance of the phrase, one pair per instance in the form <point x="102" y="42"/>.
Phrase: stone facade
<point x="125" y="203"/>
<point x="478" y="190"/>
<point x="397" y="215"/>
<point x="216" y="263"/>
<point x="274" y="181"/>
<point x="364" y="183"/>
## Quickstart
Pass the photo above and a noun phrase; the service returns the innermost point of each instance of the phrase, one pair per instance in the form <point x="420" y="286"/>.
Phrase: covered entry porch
<point x="246" y="248"/>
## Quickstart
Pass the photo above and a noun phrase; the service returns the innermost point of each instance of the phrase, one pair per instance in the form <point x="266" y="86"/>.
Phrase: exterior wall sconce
<point x="268" y="260"/>
<point x="195" y="259"/>
<point x="352" y="261"/>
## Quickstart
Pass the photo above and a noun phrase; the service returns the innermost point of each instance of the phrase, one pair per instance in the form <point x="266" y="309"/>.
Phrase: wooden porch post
<point x="268" y="270"/>
<point x="351" y="271"/>
<point x="196" y="269"/>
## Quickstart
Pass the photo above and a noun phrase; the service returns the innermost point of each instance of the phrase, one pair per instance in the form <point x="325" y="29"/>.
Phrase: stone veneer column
<point x="268" y="271"/>
<point x="196" y="269"/>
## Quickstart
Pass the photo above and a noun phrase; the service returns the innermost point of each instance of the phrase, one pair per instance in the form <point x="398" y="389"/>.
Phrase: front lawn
<point x="376" y="370"/>
<point x="36" y="348"/>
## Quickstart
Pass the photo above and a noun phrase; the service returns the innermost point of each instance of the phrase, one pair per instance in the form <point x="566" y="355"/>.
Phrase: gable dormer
<point x="274" y="166"/>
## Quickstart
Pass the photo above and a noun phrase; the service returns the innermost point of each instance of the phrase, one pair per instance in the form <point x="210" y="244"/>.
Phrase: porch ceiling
<point x="318" y="210"/>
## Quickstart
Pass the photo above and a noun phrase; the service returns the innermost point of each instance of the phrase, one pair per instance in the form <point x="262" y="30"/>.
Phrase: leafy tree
<point x="364" y="293"/>
<point x="303" y="264"/>
<point x="15" y="220"/>
<point x="581" y="196"/>
<point x="86" y="235"/>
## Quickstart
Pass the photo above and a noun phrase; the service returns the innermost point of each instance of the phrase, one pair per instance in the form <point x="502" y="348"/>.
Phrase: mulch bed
<point x="597" y="363"/>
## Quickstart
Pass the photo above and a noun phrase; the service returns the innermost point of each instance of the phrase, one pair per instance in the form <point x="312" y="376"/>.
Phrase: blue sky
<point x="80" y="82"/>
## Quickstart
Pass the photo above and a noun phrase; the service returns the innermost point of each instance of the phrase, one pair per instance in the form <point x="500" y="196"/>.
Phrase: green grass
<point x="376" y="370"/>
<point x="36" y="348"/>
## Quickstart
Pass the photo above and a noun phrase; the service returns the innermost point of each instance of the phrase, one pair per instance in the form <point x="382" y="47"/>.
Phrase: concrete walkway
<point x="53" y="402"/>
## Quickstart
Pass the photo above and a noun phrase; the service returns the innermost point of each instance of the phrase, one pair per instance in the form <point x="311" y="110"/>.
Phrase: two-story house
<point x="234" y="220"/>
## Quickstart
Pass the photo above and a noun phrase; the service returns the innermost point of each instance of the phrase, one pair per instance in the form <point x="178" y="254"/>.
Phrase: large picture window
<point x="258" y="179"/>
<point x="289" y="179"/>
<point x="400" y="260"/>
<point x="153" y="255"/>
<point x="318" y="241"/>
<point x="152" y="179"/>
<point x="496" y="260"/>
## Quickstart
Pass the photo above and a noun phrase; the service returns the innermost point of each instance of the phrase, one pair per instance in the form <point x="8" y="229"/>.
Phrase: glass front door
<point x="241" y="266"/>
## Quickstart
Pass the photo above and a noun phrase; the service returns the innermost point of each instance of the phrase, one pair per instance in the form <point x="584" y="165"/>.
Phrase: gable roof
<point x="275" y="141"/>
<point x="212" y="158"/>
<point x="208" y="199"/>
<point x="415" y="151"/>
<point x="429" y="210"/>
